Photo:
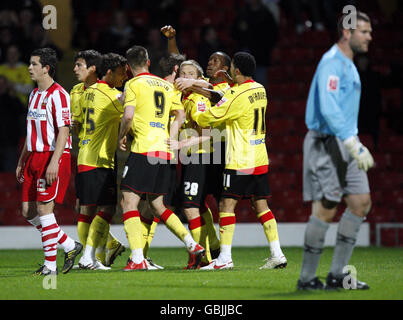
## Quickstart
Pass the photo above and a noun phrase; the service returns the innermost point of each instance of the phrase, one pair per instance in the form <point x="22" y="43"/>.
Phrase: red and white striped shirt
<point x="47" y="111"/>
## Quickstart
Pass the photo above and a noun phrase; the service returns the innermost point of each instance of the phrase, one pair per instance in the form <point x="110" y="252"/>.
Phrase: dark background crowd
<point x="287" y="38"/>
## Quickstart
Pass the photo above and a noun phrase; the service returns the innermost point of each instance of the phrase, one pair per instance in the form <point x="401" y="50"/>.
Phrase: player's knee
<point x="365" y="206"/>
<point x="28" y="212"/>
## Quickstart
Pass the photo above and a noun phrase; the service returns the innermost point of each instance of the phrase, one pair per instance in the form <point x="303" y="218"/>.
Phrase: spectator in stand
<point x="40" y="39"/>
<point x="120" y="35"/>
<point x="209" y="44"/>
<point x="296" y="9"/>
<point x="17" y="74"/>
<point x="156" y="47"/>
<point x="6" y="40"/>
<point x="11" y="113"/>
<point x="251" y="21"/>
<point x="371" y="98"/>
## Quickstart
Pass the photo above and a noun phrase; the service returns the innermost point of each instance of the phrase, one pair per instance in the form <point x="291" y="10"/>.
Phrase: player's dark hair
<point x="47" y="57"/>
<point x="226" y="60"/>
<point x="137" y="56"/>
<point x="357" y="16"/>
<point x="245" y="62"/>
<point x="111" y="61"/>
<point x="169" y="61"/>
<point x="91" y="58"/>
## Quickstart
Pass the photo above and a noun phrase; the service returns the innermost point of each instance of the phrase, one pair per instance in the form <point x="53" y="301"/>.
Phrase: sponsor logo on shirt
<point x="34" y="115"/>
<point x="256" y="142"/>
<point x="157" y="125"/>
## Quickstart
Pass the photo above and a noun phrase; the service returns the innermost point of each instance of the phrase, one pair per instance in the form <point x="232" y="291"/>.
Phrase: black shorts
<point x="199" y="179"/>
<point x="143" y="177"/>
<point x="97" y="187"/>
<point x="244" y="186"/>
<point x="170" y="199"/>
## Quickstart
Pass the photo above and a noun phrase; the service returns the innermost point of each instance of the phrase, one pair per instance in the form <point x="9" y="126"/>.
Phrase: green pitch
<point x="381" y="268"/>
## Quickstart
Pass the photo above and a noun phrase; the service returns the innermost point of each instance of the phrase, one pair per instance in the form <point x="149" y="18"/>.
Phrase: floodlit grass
<point x="381" y="268"/>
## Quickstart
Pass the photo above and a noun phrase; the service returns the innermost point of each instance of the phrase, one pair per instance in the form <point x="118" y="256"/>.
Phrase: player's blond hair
<point x="195" y="64"/>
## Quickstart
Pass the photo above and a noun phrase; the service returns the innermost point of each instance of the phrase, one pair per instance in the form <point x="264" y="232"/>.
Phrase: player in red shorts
<point x="44" y="164"/>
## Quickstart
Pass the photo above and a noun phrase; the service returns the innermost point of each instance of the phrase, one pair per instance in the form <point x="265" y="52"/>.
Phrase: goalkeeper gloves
<point x="359" y="153"/>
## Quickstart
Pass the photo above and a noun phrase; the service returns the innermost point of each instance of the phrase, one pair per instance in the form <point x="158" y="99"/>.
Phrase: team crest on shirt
<point x="201" y="106"/>
<point x="332" y="83"/>
<point x="44" y="103"/>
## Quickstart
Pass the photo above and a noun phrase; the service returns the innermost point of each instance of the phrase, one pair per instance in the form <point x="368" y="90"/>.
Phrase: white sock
<point x="49" y="233"/>
<point x="137" y="255"/>
<point x="63" y="239"/>
<point x="275" y="249"/>
<point x="36" y="222"/>
<point x="189" y="242"/>
<point x="89" y="253"/>
<point x="225" y="254"/>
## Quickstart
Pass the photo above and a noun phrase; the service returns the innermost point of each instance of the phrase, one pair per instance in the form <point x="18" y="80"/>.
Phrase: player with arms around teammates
<point x="335" y="161"/>
<point x="148" y="100"/>
<point x="44" y="165"/>
<point x="243" y="109"/>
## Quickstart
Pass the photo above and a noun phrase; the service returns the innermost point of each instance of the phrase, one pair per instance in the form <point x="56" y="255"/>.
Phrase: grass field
<point x="381" y="268"/>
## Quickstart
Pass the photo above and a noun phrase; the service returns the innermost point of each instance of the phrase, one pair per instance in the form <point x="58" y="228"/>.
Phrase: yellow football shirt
<point x="194" y="104"/>
<point x="75" y="95"/>
<point x="243" y="110"/>
<point x="153" y="99"/>
<point x="100" y="119"/>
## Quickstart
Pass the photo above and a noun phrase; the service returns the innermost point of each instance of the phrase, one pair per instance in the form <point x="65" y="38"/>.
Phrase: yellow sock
<point x="83" y="225"/>
<point x="174" y="224"/>
<point x="227" y="228"/>
<point x="98" y="229"/>
<point x="111" y="241"/>
<point x="205" y="243"/>
<point x="195" y="228"/>
<point x="145" y="227"/>
<point x="211" y="230"/>
<point x="269" y="224"/>
<point x="133" y="229"/>
<point x="150" y="235"/>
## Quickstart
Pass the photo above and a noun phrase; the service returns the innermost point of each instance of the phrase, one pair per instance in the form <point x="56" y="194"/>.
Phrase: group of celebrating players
<point x="213" y="126"/>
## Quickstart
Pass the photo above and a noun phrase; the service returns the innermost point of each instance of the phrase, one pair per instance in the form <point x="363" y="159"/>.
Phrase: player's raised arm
<point x="170" y="33"/>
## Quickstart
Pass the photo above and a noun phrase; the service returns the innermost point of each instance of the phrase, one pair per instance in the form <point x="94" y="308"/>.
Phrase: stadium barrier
<point x="246" y="235"/>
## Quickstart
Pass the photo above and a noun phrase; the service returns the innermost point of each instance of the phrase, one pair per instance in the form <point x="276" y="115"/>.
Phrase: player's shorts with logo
<point x="35" y="187"/>
<point x="238" y="185"/>
<point x="146" y="175"/>
<point x="97" y="187"/>
<point x="329" y="170"/>
<point x="200" y="178"/>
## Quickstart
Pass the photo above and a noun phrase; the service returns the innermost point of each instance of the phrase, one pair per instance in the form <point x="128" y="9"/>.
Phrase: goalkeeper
<point x="335" y="162"/>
